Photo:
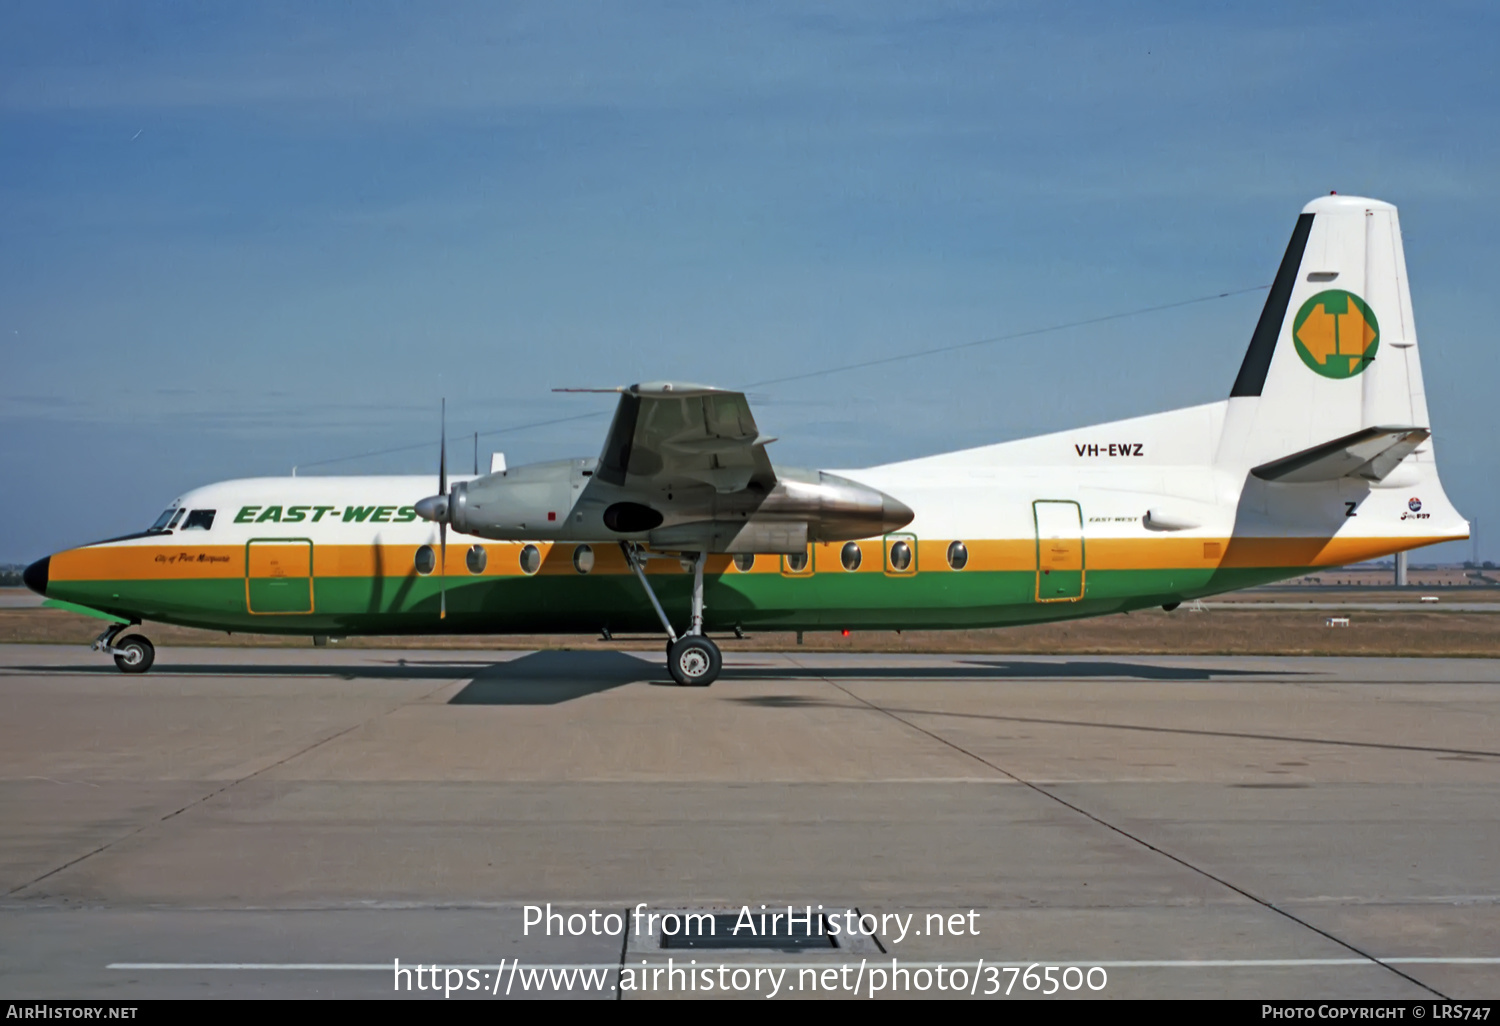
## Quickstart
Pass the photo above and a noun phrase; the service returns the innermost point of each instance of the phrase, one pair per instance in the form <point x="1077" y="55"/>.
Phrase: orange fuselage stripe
<point x="173" y="561"/>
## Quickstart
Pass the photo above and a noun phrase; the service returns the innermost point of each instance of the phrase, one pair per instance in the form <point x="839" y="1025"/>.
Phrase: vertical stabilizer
<point x="1335" y="350"/>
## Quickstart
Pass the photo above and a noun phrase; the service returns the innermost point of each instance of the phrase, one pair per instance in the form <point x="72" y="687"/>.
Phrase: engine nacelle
<point x="563" y="500"/>
<point x="834" y="508"/>
<point x="527" y="502"/>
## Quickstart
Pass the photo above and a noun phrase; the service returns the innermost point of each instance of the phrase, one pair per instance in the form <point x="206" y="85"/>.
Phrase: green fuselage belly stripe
<point x="578" y="604"/>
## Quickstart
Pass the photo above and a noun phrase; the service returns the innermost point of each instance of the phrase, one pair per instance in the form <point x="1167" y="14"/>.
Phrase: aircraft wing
<point x="684" y="468"/>
<point x="1371" y="453"/>
<point x="669" y="431"/>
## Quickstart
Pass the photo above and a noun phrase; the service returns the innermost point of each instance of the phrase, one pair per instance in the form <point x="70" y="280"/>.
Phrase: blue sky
<point x="239" y="237"/>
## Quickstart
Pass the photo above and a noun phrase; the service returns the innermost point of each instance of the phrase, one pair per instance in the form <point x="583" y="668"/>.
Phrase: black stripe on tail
<point x="1252" y="376"/>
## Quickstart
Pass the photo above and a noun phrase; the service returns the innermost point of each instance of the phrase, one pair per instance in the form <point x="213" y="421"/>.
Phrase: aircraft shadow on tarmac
<point x="553" y="677"/>
<point x="547" y="678"/>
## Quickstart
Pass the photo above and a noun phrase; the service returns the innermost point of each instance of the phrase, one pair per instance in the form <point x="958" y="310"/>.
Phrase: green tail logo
<point x="1336" y="333"/>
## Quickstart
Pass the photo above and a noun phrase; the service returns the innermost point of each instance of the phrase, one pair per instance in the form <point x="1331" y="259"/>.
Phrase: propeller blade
<point x="443" y="524"/>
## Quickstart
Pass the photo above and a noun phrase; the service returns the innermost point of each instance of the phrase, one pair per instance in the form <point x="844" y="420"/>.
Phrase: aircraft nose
<point x="35" y="575"/>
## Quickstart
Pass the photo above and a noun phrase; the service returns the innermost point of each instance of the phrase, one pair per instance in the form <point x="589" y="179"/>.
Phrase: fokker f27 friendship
<point x="1322" y="455"/>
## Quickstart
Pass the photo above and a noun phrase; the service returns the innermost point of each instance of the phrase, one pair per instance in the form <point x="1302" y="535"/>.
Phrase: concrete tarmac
<point x="288" y="822"/>
<point x="19" y="598"/>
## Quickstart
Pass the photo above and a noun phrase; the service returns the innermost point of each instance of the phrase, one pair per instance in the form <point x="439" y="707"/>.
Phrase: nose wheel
<point x="135" y="654"/>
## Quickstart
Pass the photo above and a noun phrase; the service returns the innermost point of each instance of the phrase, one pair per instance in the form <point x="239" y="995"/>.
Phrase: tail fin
<point x="1335" y="351"/>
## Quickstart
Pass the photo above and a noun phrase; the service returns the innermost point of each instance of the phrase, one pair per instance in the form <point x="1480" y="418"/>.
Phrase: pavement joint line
<point x="173" y="814"/>
<point x="801" y="961"/>
<point x="220" y="790"/>
<point x="1264" y="903"/>
<point x="1391" y="746"/>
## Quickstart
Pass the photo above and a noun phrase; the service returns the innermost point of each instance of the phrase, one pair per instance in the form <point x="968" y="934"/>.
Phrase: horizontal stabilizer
<point x="1371" y="454"/>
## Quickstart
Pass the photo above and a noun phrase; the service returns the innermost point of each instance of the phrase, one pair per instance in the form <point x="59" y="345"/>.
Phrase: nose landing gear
<point x="133" y="654"/>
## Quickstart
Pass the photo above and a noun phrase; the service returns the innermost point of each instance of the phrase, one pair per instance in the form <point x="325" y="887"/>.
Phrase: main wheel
<point x="694" y="661"/>
<point x="136" y="654"/>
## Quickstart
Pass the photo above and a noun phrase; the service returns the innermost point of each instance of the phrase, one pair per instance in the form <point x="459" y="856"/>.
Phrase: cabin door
<point x="278" y="576"/>
<point x="1059" y="551"/>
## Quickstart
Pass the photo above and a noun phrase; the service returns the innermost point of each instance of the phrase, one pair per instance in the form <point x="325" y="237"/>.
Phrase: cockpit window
<point x="199" y="520"/>
<point x="165" y="519"/>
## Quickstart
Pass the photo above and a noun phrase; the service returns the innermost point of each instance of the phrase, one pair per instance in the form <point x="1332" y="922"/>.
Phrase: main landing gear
<point x="133" y="653"/>
<point x="692" y="659"/>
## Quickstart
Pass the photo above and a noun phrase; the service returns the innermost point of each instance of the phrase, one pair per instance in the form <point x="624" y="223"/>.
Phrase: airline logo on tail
<point x="1336" y="333"/>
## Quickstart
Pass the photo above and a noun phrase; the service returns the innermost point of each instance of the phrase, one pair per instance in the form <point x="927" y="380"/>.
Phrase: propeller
<point x="443" y="523"/>
<point x="435" y="508"/>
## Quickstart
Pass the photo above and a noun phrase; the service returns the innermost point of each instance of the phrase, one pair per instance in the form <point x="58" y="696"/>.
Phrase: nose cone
<point x="894" y="514"/>
<point x="434" y="507"/>
<point x="35" y="575"/>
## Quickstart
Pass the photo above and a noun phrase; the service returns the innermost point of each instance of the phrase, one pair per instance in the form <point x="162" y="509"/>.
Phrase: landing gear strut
<point x="692" y="659"/>
<point x="133" y="654"/>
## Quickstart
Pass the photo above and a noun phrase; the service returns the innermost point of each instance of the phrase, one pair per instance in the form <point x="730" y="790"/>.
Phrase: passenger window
<point x="900" y="557"/>
<point x="958" y="555"/>
<point x="851" y="557"/>
<point x="744" y="561"/>
<point x="199" y="520"/>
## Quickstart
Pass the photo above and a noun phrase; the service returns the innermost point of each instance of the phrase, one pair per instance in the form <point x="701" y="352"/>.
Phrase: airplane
<point x="1321" y="456"/>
